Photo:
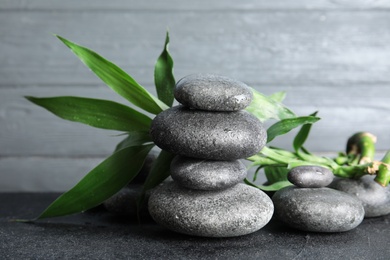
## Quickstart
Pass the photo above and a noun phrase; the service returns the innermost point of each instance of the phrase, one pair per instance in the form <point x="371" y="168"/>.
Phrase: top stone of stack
<point x="213" y="93"/>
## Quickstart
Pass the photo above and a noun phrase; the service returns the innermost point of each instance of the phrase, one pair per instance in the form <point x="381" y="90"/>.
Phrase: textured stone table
<point x="97" y="234"/>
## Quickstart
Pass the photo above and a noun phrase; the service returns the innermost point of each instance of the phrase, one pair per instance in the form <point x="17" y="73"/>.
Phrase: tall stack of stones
<point x="209" y="132"/>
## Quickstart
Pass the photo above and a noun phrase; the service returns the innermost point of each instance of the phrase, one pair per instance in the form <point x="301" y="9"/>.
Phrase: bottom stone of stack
<point x="236" y="211"/>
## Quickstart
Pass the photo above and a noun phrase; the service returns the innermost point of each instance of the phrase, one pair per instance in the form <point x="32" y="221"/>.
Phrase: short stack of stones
<point x="309" y="205"/>
<point x="209" y="132"/>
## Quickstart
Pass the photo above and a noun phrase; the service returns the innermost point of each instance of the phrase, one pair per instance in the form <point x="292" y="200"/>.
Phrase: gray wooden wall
<point x="329" y="55"/>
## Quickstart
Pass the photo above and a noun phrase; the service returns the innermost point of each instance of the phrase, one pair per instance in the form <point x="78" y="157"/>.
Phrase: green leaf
<point x="95" y="112"/>
<point x="302" y="135"/>
<point x="272" y="154"/>
<point x="101" y="183"/>
<point x="273" y="187"/>
<point x="116" y="78"/>
<point x="286" y="125"/>
<point x="163" y="75"/>
<point x="276" y="174"/>
<point x="265" y="108"/>
<point x="259" y="159"/>
<point x="160" y="170"/>
<point x="134" y="139"/>
<point x="278" y="96"/>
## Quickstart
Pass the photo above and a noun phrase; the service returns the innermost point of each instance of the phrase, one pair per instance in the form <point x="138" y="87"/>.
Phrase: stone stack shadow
<point x="209" y="132"/>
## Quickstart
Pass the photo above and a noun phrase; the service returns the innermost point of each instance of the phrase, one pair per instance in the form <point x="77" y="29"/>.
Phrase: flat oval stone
<point x="208" y="135"/>
<point x="213" y="93"/>
<point x="317" y="209"/>
<point x="375" y="198"/>
<point x="237" y="211"/>
<point x="203" y="174"/>
<point x="310" y="176"/>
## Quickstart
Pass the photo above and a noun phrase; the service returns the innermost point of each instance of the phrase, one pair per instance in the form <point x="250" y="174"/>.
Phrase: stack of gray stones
<point x="311" y="206"/>
<point x="209" y="132"/>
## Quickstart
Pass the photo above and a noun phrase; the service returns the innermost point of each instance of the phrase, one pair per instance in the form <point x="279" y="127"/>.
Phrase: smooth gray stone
<point x="375" y="198"/>
<point x="208" y="135"/>
<point x="201" y="174"/>
<point x="237" y="211"/>
<point x="310" y="176"/>
<point x="213" y="93"/>
<point x="317" y="209"/>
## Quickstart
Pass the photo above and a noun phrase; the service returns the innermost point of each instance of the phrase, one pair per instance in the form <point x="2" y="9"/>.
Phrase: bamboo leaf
<point x="134" y="139"/>
<point x="116" y="78"/>
<point x="160" y="170"/>
<point x="278" y="96"/>
<point x="101" y="183"/>
<point x="265" y="108"/>
<point x="95" y="112"/>
<point x="286" y="125"/>
<point x="276" y="173"/>
<point x="302" y="135"/>
<point x="163" y="75"/>
<point x="275" y="156"/>
<point x="273" y="187"/>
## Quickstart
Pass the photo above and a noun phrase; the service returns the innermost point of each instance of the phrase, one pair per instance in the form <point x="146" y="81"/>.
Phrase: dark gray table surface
<point x="97" y="234"/>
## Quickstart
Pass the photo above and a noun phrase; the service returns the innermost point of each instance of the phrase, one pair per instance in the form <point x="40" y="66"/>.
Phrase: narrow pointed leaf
<point x="273" y="187"/>
<point x="163" y="75"/>
<point x="275" y="174"/>
<point x="302" y="135"/>
<point x="278" y="96"/>
<point x="116" y="78"/>
<point x="160" y="170"/>
<point x="258" y="159"/>
<point x="286" y="125"/>
<point x="134" y="139"/>
<point x="95" y="112"/>
<point x="101" y="183"/>
<point x="277" y="157"/>
<point x="265" y="108"/>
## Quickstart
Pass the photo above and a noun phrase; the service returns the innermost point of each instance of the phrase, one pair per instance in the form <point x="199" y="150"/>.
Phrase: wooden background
<point x="329" y="55"/>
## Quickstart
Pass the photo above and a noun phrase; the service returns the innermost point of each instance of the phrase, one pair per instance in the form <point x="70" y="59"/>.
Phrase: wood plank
<point x="331" y="56"/>
<point x="200" y="5"/>
<point x="271" y="48"/>
<point x="41" y="174"/>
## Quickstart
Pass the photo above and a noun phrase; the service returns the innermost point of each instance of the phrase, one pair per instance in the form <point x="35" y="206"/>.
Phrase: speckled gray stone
<point x="213" y="93"/>
<point x="201" y="174"/>
<point x="236" y="211"/>
<point x="310" y="176"/>
<point x="317" y="209"/>
<point x="375" y="198"/>
<point x="208" y="135"/>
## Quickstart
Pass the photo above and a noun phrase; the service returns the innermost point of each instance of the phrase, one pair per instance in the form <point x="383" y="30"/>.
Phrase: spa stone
<point x="317" y="209"/>
<point x="208" y="135"/>
<point x="236" y="211"/>
<point x="213" y="93"/>
<point x="203" y="174"/>
<point x="310" y="176"/>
